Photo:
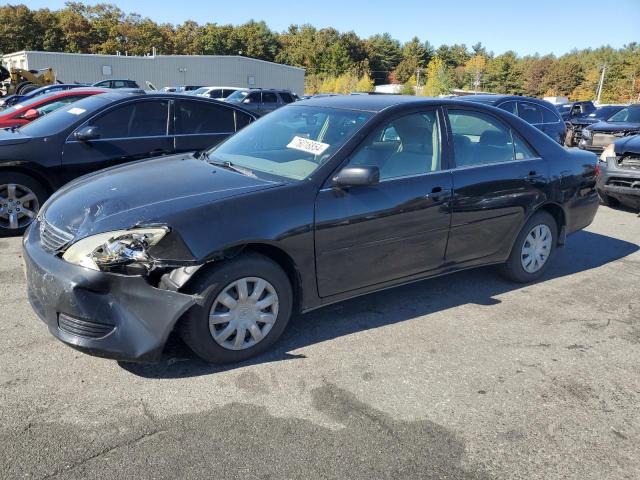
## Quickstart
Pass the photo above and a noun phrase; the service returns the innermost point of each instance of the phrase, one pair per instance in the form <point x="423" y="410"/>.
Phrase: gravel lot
<point x="465" y="376"/>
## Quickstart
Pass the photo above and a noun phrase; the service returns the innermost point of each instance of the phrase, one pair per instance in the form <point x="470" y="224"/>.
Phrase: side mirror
<point x="87" y="133"/>
<point x="352" y="176"/>
<point x="31" y="114"/>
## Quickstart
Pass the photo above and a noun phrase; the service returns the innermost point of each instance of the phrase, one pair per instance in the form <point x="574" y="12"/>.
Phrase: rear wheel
<point x="29" y="88"/>
<point x="21" y="86"/>
<point x="533" y="249"/>
<point x="248" y="302"/>
<point x="20" y="199"/>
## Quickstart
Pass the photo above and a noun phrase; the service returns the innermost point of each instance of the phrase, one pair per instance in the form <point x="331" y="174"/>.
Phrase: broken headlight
<point x="112" y="249"/>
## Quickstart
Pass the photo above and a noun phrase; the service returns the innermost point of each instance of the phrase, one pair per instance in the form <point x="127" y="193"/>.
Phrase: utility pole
<point x="604" y="67"/>
<point x="417" y="80"/>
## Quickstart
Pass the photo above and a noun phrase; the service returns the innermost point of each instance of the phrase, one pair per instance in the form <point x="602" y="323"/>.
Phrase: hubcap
<point x="18" y="206"/>
<point x="536" y="248"/>
<point x="243" y="313"/>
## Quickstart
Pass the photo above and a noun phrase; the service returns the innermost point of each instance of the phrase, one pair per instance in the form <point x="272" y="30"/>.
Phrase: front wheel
<point x="248" y="303"/>
<point x="20" y="199"/>
<point x="533" y="249"/>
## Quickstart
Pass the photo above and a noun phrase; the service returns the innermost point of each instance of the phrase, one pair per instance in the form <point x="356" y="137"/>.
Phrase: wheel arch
<point x="31" y="171"/>
<point x="269" y="250"/>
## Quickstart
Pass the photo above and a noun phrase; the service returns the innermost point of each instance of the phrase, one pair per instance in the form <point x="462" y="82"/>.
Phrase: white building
<point x="163" y="70"/>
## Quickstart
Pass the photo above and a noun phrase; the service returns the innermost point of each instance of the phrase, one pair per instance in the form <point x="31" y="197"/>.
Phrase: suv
<point x="117" y="84"/>
<point x="261" y="100"/>
<point x="539" y="113"/>
<point x="575" y="125"/>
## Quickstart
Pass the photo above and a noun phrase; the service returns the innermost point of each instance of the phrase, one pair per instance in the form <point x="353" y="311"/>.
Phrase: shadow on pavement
<point x="584" y="251"/>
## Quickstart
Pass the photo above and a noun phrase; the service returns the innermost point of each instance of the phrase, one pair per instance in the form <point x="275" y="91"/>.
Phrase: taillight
<point x="598" y="169"/>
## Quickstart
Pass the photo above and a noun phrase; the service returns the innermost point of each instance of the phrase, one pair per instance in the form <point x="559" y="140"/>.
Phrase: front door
<point x="133" y="131"/>
<point x="372" y="234"/>
<point x="497" y="179"/>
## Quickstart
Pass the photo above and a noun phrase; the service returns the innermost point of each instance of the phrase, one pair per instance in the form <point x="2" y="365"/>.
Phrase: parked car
<point x="619" y="176"/>
<point x="320" y="201"/>
<point x="117" y="84"/>
<point x="261" y="101"/>
<point x="575" y="125"/>
<point x="187" y="88"/>
<point x="98" y="132"/>
<point x="539" y="113"/>
<point x="622" y="124"/>
<point x="22" y="113"/>
<point x="575" y="109"/>
<point x="57" y="87"/>
<point x="217" y="93"/>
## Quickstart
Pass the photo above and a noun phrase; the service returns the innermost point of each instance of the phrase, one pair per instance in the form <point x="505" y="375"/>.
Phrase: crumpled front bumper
<point x="103" y="314"/>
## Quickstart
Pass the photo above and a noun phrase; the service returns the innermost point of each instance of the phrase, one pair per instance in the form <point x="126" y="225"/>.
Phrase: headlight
<point x="607" y="152"/>
<point x="586" y="133"/>
<point x="114" y="248"/>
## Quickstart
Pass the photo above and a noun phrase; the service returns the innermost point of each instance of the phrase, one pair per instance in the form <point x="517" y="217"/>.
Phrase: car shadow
<point x="584" y="251"/>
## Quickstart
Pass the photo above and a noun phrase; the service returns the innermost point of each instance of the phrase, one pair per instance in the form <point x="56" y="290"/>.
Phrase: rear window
<point x="201" y="117"/>
<point x="549" y="117"/>
<point x="269" y="97"/>
<point x="286" y="97"/>
<point x="529" y="112"/>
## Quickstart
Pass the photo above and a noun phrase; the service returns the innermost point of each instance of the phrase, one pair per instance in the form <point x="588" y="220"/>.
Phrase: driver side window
<point x="406" y="146"/>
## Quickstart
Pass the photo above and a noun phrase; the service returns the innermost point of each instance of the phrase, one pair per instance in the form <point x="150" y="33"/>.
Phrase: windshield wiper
<point x="228" y="165"/>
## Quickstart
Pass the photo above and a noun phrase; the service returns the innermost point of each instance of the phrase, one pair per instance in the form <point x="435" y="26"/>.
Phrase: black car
<point x="576" y="124"/>
<point x="57" y="87"/>
<point x="539" y="113"/>
<point x="317" y="202"/>
<point x="622" y="124"/>
<point x="619" y="173"/>
<point x="98" y="132"/>
<point x="575" y="109"/>
<point x="117" y="84"/>
<point x="262" y="100"/>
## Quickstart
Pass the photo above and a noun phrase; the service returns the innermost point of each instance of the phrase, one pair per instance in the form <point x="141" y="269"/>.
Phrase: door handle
<point x="436" y="193"/>
<point x="532" y="176"/>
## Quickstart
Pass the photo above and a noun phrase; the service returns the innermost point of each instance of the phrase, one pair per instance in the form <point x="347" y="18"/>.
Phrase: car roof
<point x="374" y="103"/>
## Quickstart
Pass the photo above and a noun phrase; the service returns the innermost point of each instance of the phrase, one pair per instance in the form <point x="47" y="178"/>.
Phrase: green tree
<point x="503" y="75"/>
<point x="438" y="78"/>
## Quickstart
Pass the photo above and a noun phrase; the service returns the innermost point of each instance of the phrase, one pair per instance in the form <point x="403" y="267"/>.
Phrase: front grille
<point x="52" y="238"/>
<point x="624" y="182"/>
<point x="83" y="328"/>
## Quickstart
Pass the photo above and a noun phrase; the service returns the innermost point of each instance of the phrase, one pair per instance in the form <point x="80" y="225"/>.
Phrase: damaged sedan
<point x="320" y="201"/>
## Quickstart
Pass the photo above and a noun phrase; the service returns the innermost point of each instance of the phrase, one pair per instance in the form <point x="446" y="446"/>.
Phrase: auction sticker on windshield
<point x="309" y="146"/>
<point x="76" y="111"/>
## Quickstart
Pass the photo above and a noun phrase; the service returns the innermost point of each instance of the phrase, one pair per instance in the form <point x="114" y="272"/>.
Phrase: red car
<point x="25" y="112"/>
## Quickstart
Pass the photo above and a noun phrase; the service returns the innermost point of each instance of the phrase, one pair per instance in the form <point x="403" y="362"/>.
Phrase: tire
<point x="21" y="86"/>
<point x="22" y="185"/>
<point x="195" y="327"/>
<point x="513" y="268"/>
<point x="568" y="138"/>
<point x="29" y="88"/>
<point x="608" y="201"/>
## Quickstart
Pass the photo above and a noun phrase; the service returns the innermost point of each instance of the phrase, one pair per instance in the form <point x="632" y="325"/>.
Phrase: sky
<point x="542" y="26"/>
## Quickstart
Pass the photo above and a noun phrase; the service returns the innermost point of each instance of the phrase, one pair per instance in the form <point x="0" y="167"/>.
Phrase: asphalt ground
<point x="465" y="376"/>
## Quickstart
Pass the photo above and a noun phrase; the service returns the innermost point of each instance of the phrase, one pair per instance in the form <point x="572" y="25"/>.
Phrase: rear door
<point x="497" y="180"/>
<point x="131" y="131"/>
<point x="201" y="124"/>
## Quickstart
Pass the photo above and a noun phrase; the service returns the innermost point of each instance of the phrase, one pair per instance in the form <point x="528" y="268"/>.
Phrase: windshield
<point x="629" y="114"/>
<point x="291" y="142"/>
<point x="200" y="91"/>
<point x="64" y="117"/>
<point x="238" y="96"/>
<point x="21" y="105"/>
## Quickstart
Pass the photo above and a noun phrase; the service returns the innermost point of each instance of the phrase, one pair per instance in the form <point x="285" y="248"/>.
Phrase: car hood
<point x="10" y="136"/>
<point x="614" y="127"/>
<point x="628" y="145"/>
<point x="143" y="193"/>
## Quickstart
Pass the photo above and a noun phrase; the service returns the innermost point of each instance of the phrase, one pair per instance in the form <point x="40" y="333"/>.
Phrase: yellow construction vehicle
<point x="20" y="81"/>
